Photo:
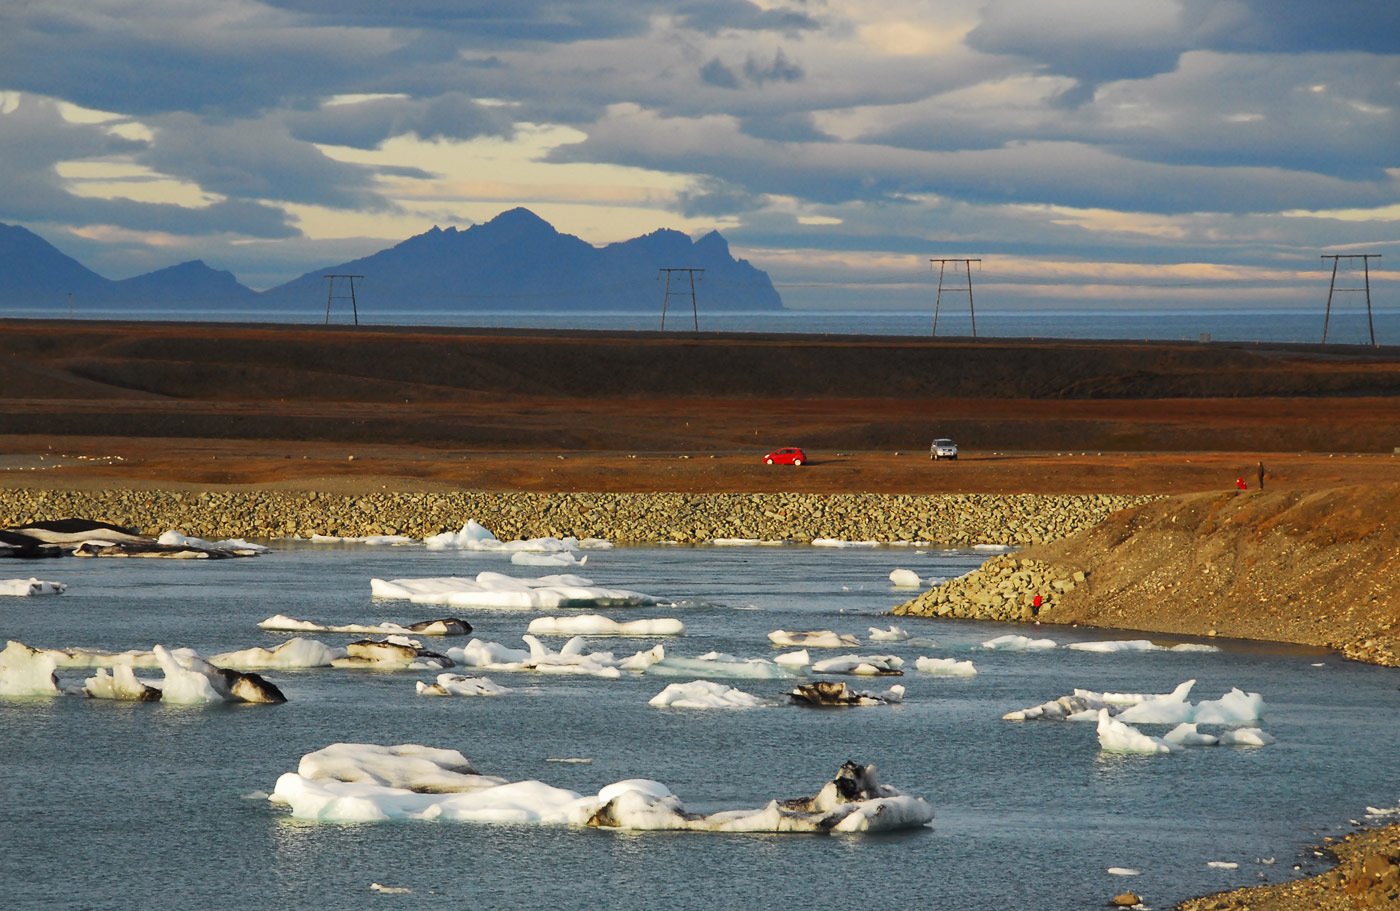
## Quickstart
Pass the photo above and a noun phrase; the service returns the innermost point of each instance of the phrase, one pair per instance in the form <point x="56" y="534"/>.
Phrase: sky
<point x="1190" y="153"/>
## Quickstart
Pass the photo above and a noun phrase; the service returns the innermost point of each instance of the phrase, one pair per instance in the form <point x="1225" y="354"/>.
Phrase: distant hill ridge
<point x="515" y="261"/>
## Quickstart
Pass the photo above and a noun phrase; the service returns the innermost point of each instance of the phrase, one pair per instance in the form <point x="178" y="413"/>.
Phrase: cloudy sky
<point x="1192" y="152"/>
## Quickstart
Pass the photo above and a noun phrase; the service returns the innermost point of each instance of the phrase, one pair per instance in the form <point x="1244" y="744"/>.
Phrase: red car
<point x="789" y="456"/>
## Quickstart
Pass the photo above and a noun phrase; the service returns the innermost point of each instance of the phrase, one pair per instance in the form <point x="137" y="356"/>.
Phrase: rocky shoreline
<point x="955" y="520"/>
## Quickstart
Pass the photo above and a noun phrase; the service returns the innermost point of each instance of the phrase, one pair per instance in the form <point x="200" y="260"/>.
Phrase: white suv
<point x="943" y="449"/>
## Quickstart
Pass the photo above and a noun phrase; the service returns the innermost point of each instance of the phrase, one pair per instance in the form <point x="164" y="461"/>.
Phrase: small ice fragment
<point x="905" y="578"/>
<point x="1117" y="737"/>
<point x="389" y="890"/>
<point x="25" y="587"/>
<point x="580" y="760"/>
<point x="893" y="634"/>
<point x="1014" y="643"/>
<point x="815" y="639"/>
<point x="1123" y="871"/>
<point x="946" y="667"/>
<point x="704" y="694"/>
<point x="1246" y="737"/>
<point x="1222" y="865"/>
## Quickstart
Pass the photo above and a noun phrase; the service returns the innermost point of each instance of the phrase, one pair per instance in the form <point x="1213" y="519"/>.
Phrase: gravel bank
<point x="960" y="520"/>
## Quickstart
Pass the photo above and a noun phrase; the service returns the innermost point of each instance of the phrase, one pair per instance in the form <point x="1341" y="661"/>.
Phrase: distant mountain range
<point x="515" y="261"/>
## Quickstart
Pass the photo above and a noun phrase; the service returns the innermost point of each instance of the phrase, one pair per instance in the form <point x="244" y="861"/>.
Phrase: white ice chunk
<point x="815" y="639"/>
<point x="498" y="591"/>
<point x="643" y="659"/>
<point x="1222" y="865"/>
<point x="1014" y="643"/>
<point x="798" y="659"/>
<point x="598" y="625"/>
<point x="446" y="626"/>
<point x="475" y="536"/>
<point x="921" y="642"/>
<point x="23" y="588"/>
<point x="568" y="660"/>
<point x="120" y="684"/>
<point x="292" y="654"/>
<point x="1172" y="708"/>
<point x="716" y="664"/>
<point x="1194" y="647"/>
<point x="1246" y="737"/>
<point x="1185" y="734"/>
<point x="704" y="694"/>
<point x="1117" y="737"/>
<point x="408" y="766"/>
<point x="563" y="558"/>
<point x="905" y="578"/>
<point x="860" y="665"/>
<point x="1235" y="707"/>
<point x="26" y="671"/>
<point x="461" y="685"/>
<point x="839" y="542"/>
<point x="372" y="540"/>
<point x="893" y="634"/>
<point x="236" y="545"/>
<point x="1083" y="705"/>
<point x="1123" y="871"/>
<point x="946" y="667"/>
<point x="1114" y="646"/>
<point x="191" y="681"/>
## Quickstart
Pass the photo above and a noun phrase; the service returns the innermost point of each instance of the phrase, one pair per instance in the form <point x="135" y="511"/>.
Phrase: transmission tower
<point x="1365" y="289"/>
<point x="330" y="295"/>
<point x="938" y="298"/>
<point x="694" y="308"/>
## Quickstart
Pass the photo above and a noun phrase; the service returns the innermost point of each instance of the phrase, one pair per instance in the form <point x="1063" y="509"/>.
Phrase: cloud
<point x="367" y="123"/>
<point x="714" y="16"/>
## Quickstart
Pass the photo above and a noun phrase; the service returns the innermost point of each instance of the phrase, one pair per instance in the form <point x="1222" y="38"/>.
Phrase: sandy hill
<point x="1312" y="567"/>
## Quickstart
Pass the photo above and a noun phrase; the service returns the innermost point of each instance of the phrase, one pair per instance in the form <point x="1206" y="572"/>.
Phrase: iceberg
<point x="1172" y="708"/>
<point x="893" y="634"/>
<point x="492" y="590"/>
<point x="1114" y="646"/>
<point x="475" y="536"/>
<point x="1246" y="737"/>
<point x="372" y="540"/>
<point x="598" y="625"/>
<point x="839" y="542"/>
<point x="717" y="664"/>
<point x="447" y="626"/>
<point x="238" y="546"/>
<point x="816" y="639"/>
<point x="362" y="783"/>
<point x="121" y="684"/>
<point x="390" y="653"/>
<point x="905" y="578"/>
<point x="946" y="667"/>
<point x="461" y="685"/>
<point x="26" y="671"/>
<point x="704" y="694"/>
<point x="1235" y="707"/>
<point x="192" y="680"/>
<point x="1117" y="737"/>
<point x="23" y="588"/>
<point x="295" y="653"/>
<point x="570" y="659"/>
<point x="797" y="659"/>
<point x="563" y="558"/>
<point x="834" y="693"/>
<point x="860" y="665"/>
<point x="1014" y="643"/>
<point x="1185" y="734"/>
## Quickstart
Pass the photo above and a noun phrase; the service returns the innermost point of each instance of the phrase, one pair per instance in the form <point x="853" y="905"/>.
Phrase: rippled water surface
<point x="148" y="806"/>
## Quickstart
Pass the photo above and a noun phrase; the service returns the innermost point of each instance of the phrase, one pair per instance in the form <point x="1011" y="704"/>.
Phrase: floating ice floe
<point x="1222" y="865"/>
<point x="446" y="626"/>
<point x="1118" y="646"/>
<point x="1014" y="643"/>
<point x="993" y="548"/>
<point x="946" y="667"/>
<point x="814" y="639"/>
<point x="598" y="625"/>
<point x="293" y="654"/>
<point x="26" y="671"/>
<point x="191" y="680"/>
<point x="86" y="538"/>
<point x="22" y="588"/>
<point x="364" y="782"/>
<point x="1246" y="737"/>
<point x="718" y="664"/>
<point x="563" y="558"/>
<point x="1117" y="737"/>
<point x="570" y="659"/>
<point x="835" y="694"/>
<point x="1185" y="734"/>
<point x="746" y="542"/>
<point x="1123" y="871"/>
<point x="238" y="546"/>
<point x="861" y="665"/>
<point x="839" y="542"/>
<point x="389" y="654"/>
<point x="120" y="684"/>
<point x="1235" y="707"/>
<point x="893" y="634"/>
<point x="905" y="578"/>
<point x="705" y="694"/>
<point x="499" y="591"/>
<point x="921" y="642"/>
<point x="797" y="659"/>
<point x="475" y="536"/>
<point x="461" y="685"/>
<point x="371" y="540"/>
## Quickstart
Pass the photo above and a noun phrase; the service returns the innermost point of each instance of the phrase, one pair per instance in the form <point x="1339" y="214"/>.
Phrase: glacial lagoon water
<point x="116" y="806"/>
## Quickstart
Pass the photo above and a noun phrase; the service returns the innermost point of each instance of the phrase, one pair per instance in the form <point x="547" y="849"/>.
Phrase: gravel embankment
<point x="963" y="519"/>
<point x="1004" y="588"/>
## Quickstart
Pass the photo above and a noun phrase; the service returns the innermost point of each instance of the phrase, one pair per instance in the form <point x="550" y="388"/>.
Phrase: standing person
<point x="1261" y="475"/>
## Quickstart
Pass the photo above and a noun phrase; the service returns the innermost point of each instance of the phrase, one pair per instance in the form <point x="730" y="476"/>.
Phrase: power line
<point x="694" y="308"/>
<point x="1332" y="289"/>
<point x="938" y="298"/>
<point x="330" y="293"/>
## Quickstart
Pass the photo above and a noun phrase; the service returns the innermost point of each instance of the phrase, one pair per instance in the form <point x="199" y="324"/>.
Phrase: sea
<point x="148" y="806"/>
<point x="1307" y="325"/>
